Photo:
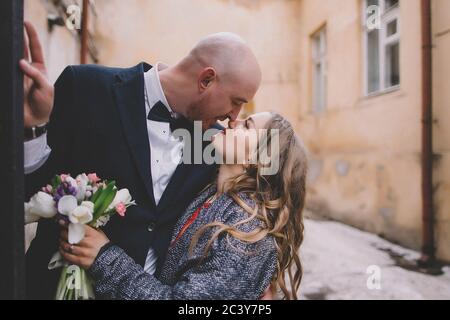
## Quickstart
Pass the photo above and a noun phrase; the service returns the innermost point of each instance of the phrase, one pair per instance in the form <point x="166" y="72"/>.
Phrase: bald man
<point x="118" y="123"/>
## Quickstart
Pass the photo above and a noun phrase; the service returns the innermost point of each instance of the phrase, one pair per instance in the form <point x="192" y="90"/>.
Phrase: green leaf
<point x="101" y="197"/>
<point x="104" y="200"/>
<point x="56" y="181"/>
<point x="96" y="195"/>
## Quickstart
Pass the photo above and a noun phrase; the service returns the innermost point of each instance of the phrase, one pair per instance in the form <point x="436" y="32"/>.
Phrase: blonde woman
<point x="239" y="236"/>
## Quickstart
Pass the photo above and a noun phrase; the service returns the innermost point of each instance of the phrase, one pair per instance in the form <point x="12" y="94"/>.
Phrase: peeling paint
<point x="342" y="167"/>
<point x="386" y="213"/>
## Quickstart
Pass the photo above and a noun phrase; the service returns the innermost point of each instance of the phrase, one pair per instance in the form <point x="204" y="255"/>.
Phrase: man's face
<point x="221" y="100"/>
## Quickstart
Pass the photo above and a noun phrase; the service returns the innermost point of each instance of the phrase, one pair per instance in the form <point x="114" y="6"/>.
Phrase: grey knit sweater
<point x="232" y="269"/>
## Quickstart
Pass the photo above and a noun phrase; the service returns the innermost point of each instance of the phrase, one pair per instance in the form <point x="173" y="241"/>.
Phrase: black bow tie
<point x="160" y="113"/>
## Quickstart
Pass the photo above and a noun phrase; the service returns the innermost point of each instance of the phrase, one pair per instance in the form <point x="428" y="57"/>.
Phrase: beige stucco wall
<point x="135" y="30"/>
<point x="365" y="151"/>
<point x="441" y="105"/>
<point x="61" y="47"/>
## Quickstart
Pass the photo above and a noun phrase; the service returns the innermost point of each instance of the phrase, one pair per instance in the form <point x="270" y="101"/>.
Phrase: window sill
<point x="382" y="92"/>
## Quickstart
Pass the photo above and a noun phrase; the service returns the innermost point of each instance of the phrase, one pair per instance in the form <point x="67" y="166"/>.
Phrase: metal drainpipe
<point x="428" y="245"/>
<point x="84" y="32"/>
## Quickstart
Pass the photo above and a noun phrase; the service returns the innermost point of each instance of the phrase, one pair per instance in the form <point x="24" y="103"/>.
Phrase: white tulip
<point x="82" y="179"/>
<point x="78" y="216"/>
<point x="41" y="205"/>
<point x="76" y="232"/>
<point x="123" y="195"/>
<point x="67" y="204"/>
<point x="72" y="182"/>
<point x="82" y="184"/>
<point x="82" y="214"/>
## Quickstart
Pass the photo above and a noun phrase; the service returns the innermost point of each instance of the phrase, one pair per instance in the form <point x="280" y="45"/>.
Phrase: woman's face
<point x="238" y="144"/>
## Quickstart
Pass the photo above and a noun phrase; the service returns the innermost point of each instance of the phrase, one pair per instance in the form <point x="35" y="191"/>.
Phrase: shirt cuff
<point x="36" y="153"/>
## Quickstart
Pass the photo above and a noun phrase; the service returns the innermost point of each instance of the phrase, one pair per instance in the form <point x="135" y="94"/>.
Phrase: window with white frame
<point x="319" y="76"/>
<point x="381" y="45"/>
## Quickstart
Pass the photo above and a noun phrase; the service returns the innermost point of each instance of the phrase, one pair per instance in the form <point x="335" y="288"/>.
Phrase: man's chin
<point x="208" y="124"/>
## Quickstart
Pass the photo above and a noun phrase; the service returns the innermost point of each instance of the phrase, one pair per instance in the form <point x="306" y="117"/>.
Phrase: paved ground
<point x="336" y="259"/>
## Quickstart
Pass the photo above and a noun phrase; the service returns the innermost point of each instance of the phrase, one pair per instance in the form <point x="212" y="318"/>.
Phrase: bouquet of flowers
<point x="84" y="200"/>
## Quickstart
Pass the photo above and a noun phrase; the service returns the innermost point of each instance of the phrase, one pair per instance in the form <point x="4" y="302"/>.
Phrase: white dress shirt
<point x="166" y="150"/>
<point x="36" y="152"/>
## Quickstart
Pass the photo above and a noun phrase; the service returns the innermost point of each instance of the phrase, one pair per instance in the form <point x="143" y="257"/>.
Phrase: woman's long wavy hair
<point x="279" y="201"/>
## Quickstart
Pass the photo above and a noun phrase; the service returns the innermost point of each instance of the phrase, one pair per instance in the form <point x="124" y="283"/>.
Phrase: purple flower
<point x="72" y="190"/>
<point x="60" y="191"/>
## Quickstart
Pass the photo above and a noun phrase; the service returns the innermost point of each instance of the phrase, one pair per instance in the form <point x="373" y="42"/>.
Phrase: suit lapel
<point x="129" y="93"/>
<point x="183" y="184"/>
<point x="186" y="183"/>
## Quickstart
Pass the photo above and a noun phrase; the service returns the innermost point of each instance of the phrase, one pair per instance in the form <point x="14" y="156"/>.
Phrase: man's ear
<point x="207" y="78"/>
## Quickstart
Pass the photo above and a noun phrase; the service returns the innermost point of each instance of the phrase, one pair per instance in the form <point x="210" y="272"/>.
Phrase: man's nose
<point x="234" y="114"/>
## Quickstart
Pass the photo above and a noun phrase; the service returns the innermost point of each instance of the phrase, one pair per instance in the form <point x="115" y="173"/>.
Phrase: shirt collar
<point x="154" y="90"/>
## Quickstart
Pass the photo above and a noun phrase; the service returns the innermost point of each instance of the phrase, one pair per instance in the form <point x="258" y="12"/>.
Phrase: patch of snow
<point x="339" y="263"/>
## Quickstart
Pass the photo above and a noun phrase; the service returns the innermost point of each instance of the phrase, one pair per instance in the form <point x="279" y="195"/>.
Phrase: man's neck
<point x="172" y="88"/>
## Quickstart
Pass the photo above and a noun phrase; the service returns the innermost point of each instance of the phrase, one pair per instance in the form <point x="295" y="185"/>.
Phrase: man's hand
<point x="38" y="91"/>
<point x="84" y="253"/>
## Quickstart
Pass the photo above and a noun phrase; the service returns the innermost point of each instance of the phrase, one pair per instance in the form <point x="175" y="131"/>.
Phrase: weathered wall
<point x="152" y="30"/>
<point x="365" y="151"/>
<point x="61" y="47"/>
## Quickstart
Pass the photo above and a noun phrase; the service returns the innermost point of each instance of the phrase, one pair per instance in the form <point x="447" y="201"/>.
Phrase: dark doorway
<point x="12" y="251"/>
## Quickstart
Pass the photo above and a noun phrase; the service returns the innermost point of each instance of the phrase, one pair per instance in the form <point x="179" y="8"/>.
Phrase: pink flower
<point x="93" y="178"/>
<point x="121" y="209"/>
<point x="64" y="177"/>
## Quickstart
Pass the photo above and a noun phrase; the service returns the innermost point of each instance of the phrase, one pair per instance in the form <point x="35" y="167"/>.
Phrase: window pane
<point x="373" y="62"/>
<point x="317" y="88"/>
<point x="323" y="45"/>
<point x="392" y="65"/>
<point x="390" y="3"/>
<point x="372" y="3"/>
<point x="316" y="48"/>
<point x="319" y="51"/>
<point x="391" y="28"/>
